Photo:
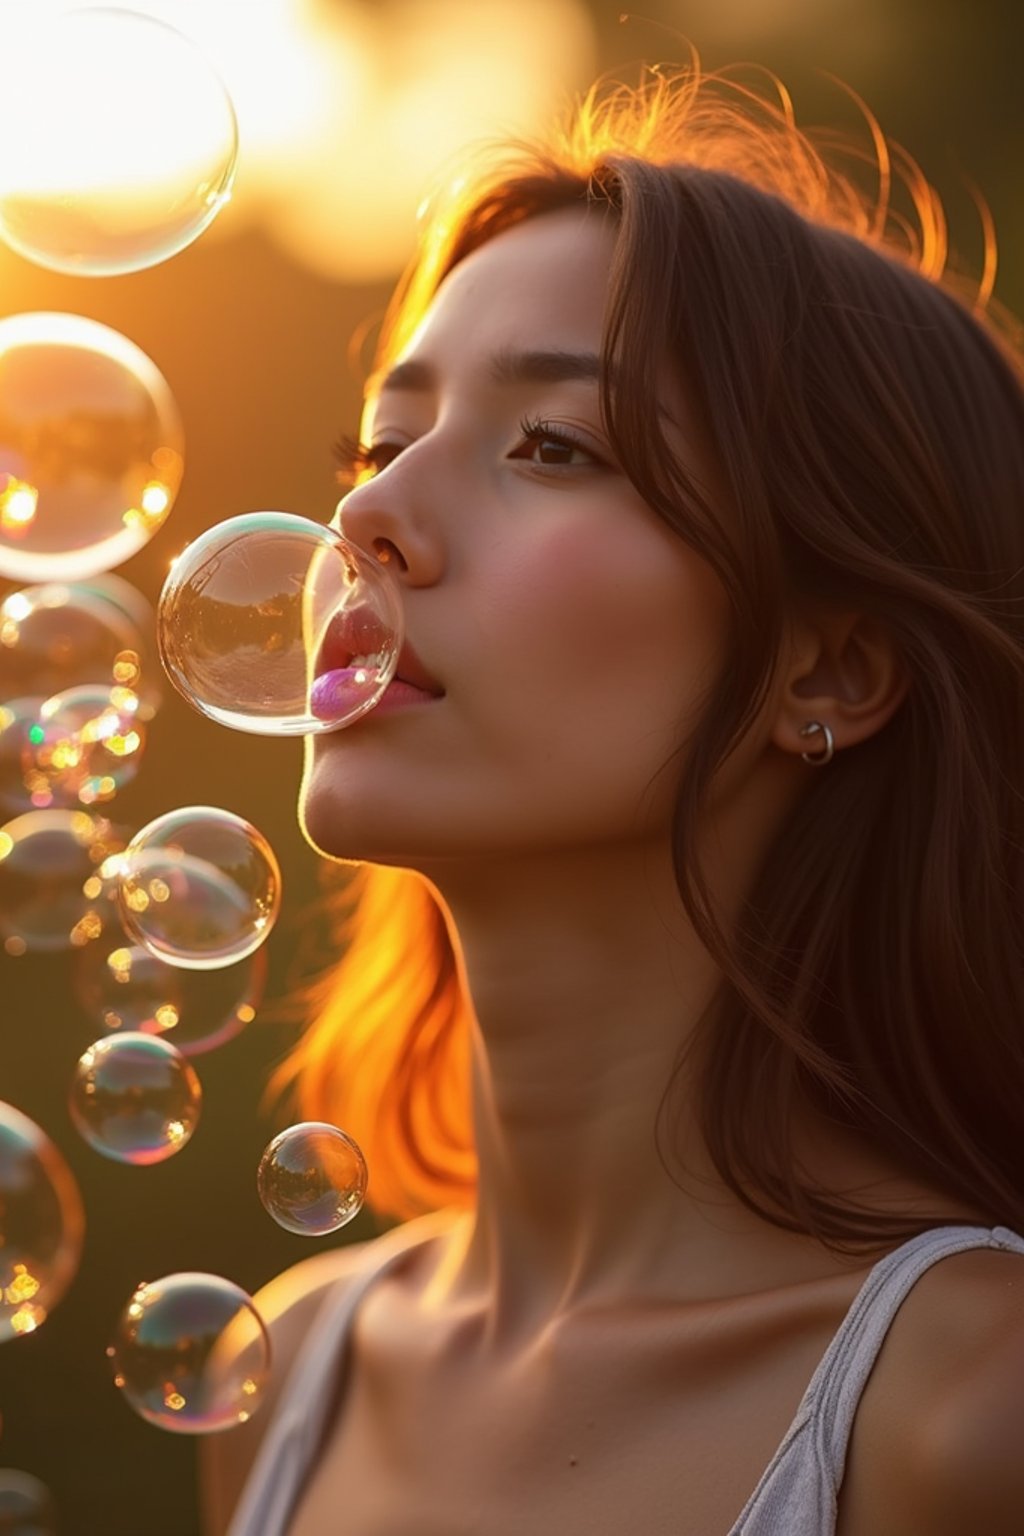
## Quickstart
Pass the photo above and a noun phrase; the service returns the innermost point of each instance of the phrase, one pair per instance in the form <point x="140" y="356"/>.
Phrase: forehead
<point x="543" y="282"/>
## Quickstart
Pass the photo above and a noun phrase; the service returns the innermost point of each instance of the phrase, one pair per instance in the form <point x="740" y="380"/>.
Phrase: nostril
<point x="387" y="553"/>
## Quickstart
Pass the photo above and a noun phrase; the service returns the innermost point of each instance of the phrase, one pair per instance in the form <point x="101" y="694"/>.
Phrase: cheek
<point x="606" y="616"/>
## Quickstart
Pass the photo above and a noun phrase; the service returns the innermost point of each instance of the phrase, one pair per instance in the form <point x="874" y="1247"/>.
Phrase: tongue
<point x="337" y="693"/>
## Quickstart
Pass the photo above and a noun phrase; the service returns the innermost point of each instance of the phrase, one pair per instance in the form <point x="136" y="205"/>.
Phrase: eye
<point x="554" y="446"/>
<point x="357" y="461"/>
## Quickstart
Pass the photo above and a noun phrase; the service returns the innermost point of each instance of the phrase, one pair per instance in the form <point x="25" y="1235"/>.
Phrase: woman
<point x="682" y="982"/>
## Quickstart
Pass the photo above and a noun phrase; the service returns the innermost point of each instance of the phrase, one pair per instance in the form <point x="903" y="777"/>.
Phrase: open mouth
<point x="350" y="662"/>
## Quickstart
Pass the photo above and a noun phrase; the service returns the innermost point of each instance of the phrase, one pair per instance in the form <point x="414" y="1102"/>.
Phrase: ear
<point x="843" y="670"/>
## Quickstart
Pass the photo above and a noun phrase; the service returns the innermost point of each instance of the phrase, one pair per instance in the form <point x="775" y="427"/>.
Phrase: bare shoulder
<point x="938" y="1441"/>
<point x="288" y="1305"/>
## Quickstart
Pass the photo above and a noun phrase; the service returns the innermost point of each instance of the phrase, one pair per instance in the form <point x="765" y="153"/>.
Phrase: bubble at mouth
<point x="265" y="620"/>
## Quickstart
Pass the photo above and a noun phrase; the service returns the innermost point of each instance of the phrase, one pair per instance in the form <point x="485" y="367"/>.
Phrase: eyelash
<point x="358" y="461"/>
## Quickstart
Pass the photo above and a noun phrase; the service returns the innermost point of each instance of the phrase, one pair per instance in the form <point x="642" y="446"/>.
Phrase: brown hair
<point x="865" y="413"/>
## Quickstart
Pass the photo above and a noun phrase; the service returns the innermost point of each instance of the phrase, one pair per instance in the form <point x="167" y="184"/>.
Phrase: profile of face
<point x="573" y="633"/>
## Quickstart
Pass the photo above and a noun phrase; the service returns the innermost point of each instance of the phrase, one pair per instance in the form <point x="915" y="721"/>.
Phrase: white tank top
<point x="797" y="1493"/>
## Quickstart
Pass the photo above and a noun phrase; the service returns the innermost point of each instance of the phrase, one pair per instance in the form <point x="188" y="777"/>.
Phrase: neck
<point x="584" y="999"/>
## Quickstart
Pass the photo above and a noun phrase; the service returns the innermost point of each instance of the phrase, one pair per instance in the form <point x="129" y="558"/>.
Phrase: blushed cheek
<point x="599" y="613"/>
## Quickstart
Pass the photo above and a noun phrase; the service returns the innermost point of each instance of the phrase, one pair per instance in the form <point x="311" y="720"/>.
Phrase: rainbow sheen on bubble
<point x="274" y="624"/>
<point x="41" y="1225"/>
<point x="199" y="887"/>
<point x="46" y="857"/>
<point x="134" y="1098"/>
<point x="26" y="1505"/>
<point x="91" y="448"/>
<point x="191" y="1353"/>
<point x="128" y="143"/>
<point x="62" y="635"/>
<point x="312" y="1178"/>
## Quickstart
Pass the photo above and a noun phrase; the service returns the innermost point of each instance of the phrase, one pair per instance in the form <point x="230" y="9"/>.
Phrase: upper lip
<point x="359" y="632"/>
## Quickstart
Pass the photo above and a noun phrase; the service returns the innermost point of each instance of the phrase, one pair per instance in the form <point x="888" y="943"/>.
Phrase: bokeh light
<point x="128" y="140"/>
<point x="121" y="986"/>
<point x="46" y="857"/>
<point x="90" y="447"/>
<point x="274" y="624"/>
<point x="41" y="1224"/>
<point x="84" y="745"/>
<point x="135" y="1098"/>
<point x="312" y="1178"/>
<point x="191" y="1353"/>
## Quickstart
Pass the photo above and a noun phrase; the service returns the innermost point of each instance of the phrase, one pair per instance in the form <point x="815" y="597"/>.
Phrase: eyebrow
<point x="505" y="367"/>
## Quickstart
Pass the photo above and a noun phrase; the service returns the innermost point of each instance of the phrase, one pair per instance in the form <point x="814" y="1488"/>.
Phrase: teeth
<point x="374" y="659"/>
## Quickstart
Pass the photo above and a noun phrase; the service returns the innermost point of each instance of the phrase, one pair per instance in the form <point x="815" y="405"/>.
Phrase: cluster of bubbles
<point x="268" y="623"/>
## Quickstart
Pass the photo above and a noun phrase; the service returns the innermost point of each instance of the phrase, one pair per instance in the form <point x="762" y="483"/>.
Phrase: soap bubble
<point x="58" y="635"/>
<point x="19" y="718"/>
<point x="135" y="1098"/>
<point x="26" y="1505"/>
<point x="312" y="1178"/>
<point x="261" y="616"/>
<point x="45" y="859"/>
<point x="84" y="746"/>
<point x="199" y="887"/>
<point x="127" y="147"/>
<point x="90" y="447"/>
<point x="191" y="1353"/>
<point x="41" y="1224"/>
<point x="124" y="987"/>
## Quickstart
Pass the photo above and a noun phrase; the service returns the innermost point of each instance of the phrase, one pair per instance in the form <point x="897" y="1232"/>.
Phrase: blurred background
<point x="346" y="110"/>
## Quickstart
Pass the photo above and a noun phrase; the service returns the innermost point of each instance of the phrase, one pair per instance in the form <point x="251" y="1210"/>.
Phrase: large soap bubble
<point x="61" y="634"/>
<point x="90" y="447"/>
<point x="121" y="140"/>
<point x="41" y="1224"/>
<point x="191" y="1353"/>
<point x="275" y="624"/>
<point x="199" y="887"/>
<point x="84" y="745"/>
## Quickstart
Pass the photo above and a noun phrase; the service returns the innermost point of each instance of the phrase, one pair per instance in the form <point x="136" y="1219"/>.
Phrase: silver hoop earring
<point x="830" y="744"/>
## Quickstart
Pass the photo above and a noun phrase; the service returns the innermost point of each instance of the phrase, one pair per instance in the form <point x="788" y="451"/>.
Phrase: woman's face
<point x="572" y="631"/>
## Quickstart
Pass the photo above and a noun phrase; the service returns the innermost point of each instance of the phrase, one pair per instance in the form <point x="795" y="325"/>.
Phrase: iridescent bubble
<point x="84" y="746"/>
<point x="199" y="887"/>
<point x="41" y="1224"/>
<point x="274" y="624"/>
<point x="312" y="1178"/>
<point x="135" y="1098"/>
<point x="45" y="859"/>
<point x="90" y="448"/>
<point x="124" y="987"/>
<point x="59" y="635"/>
<point x="128" y="146"/>
<point x="26" y="1505"/>
<point x="191" y="1353"/>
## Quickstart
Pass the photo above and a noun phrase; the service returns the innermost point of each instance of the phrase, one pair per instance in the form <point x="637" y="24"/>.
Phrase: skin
<point x="574" y="634"/>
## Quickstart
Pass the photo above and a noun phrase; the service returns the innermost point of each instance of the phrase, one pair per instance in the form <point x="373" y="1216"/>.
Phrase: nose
<point x="385" y="517"/>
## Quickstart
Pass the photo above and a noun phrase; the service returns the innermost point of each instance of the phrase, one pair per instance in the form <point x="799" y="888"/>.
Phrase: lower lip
<point x="336" y="692"/>
<point x="399" y="695"/>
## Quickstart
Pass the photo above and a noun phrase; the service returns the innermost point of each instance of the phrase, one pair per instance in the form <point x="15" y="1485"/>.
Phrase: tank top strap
<point x="798" y="1492"/>
<point x="837" y="1385"/>
<point x="290" y="1444"/>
